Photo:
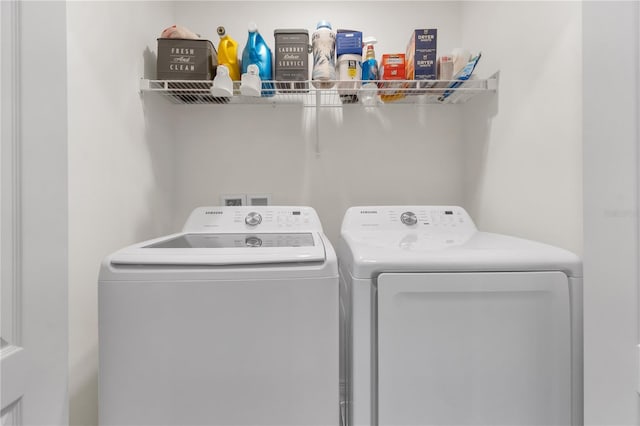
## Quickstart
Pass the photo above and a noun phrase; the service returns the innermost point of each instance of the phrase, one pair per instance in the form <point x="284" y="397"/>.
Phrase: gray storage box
<point x="185" y="59"/>
<point x="292" y="59"/>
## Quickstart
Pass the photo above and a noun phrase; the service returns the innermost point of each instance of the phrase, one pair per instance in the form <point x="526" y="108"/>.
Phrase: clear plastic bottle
<point x="323" y="42"/>
<point x="258" y="53"/>
<point x="228" y="54"/>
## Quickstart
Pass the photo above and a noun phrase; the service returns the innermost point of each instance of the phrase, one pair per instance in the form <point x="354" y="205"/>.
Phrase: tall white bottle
<point x="323" y="41"/>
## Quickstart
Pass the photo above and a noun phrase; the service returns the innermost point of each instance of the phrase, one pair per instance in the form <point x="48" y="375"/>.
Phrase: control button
<point x="408" y="218"/>
<point x="253" y="219"/>
<point x="253" y="241"/>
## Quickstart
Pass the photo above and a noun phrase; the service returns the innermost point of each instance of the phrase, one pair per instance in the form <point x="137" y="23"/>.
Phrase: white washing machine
<point x="446" y="325"/>
<point x="233" y="321"/>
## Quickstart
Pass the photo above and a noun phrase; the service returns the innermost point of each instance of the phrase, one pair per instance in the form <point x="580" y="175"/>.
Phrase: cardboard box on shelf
<point x="422" y="55"/>
<point x="186" y="59"/>
<point x="348" y="42"/>
<point x="392" y="67"/>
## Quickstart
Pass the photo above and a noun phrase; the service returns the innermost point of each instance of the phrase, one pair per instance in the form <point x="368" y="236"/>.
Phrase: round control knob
<point x="408" y="218"/>
<point x="253" y="219"/>
<point x="253" y="241"/>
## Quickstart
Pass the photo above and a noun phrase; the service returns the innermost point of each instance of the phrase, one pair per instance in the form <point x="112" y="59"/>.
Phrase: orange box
<point x="392" y="67"/>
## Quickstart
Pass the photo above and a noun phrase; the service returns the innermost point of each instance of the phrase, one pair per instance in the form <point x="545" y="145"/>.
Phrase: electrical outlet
<point x="258" y="199"/>
<point x="233" y="200"/>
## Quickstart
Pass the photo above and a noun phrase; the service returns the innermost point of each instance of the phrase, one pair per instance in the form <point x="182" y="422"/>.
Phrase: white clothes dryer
<point x="233" y="321"/>
<point x="446" y="325"/>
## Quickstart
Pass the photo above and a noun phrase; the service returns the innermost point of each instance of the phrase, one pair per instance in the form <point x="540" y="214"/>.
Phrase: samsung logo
<point x="213" y="212"/>
<point x="368" y="212"/>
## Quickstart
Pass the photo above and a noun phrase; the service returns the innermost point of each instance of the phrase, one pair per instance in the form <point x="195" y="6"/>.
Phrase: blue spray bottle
<point x="257" y="52"/>
<point x="369" y="65"/>
<point x="368" y="91"/>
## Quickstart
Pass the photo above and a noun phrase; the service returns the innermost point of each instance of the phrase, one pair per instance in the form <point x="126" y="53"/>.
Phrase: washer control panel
<point x="253" y="219"/>
<point x="388" y="218"/>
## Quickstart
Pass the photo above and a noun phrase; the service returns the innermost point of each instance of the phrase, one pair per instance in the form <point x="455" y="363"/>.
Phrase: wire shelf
<point x="341" y="93"/>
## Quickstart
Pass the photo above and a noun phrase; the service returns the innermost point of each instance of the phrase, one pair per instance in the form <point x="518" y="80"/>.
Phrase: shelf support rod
<point x="317" y="113"/>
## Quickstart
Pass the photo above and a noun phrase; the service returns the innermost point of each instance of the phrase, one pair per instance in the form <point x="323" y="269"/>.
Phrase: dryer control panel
<point x="253" y="219"/>
<point x="399" y="218"/>
<point x="408" y="228"/>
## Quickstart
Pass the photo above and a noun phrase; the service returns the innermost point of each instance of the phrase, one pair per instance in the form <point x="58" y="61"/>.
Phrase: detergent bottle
<point x="228" y="54"/>
<point x="258" y="53"/>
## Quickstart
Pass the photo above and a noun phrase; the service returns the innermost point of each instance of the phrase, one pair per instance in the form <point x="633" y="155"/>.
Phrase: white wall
<point x="120" y="163"/>
<point x="611" y="253"/>
<point x="523" y="173"/>
<point x="364" y="161"/>
<point x="512" y="160"/>
<point x="399" y="154"/>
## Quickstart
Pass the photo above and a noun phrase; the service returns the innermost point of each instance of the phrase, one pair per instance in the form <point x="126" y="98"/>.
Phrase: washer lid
<point x="438" y="238"/>
<point x="481" y="251"/>
<point x="224" y="249"/>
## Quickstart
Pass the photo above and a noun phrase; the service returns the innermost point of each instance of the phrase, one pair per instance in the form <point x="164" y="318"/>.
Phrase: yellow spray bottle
<point x="228" y="54"/>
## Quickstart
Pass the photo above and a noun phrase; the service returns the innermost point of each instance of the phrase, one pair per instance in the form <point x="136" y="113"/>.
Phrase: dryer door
<point x="474" y="349"/>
